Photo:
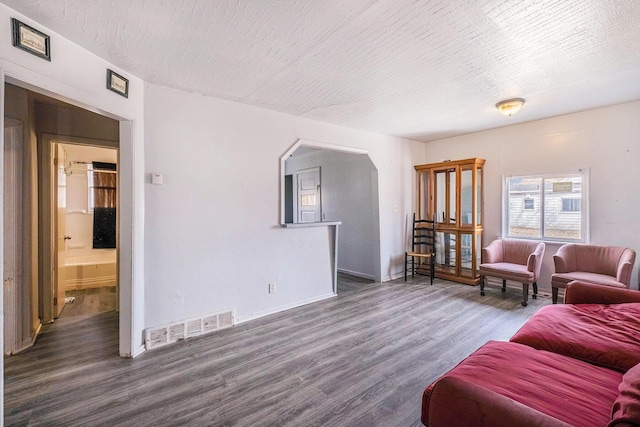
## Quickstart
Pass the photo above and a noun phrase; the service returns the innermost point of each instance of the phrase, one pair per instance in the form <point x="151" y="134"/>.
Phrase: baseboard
<point x="29" y="342"/>
<point x="253" y="316"/>
<point x="356" y="274"/>
<point x="394" y="276"/>
<point x="137" y="352"/>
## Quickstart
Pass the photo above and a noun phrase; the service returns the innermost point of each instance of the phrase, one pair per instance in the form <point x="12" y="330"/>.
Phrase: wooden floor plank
<point x="362" y="358"/>
<point x="90" y="301"/>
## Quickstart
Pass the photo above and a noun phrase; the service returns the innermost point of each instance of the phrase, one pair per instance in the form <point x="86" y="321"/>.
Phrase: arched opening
<point x="347" y="192"/>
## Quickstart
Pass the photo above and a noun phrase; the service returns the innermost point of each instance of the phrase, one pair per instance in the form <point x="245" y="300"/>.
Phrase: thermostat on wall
<point x="156" y="178"/>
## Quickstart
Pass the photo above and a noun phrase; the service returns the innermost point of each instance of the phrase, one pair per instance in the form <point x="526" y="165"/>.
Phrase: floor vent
<point x="160" y="336"/>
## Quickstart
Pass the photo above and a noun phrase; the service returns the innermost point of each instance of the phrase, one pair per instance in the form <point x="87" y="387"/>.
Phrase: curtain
<point x="104" y="205"/>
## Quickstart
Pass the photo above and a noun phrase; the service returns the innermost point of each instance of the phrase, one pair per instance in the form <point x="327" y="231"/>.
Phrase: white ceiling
<point x="422" y="69"/>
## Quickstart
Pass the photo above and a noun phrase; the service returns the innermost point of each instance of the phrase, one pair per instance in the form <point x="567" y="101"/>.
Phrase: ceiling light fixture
<point x="510" y="106"/>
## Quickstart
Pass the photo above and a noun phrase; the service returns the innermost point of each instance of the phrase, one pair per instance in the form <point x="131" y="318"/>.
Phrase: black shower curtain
<point x="104" y="210"/>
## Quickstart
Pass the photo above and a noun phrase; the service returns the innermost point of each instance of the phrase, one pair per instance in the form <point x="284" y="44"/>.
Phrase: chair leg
<point x="554" y="295"/>
<point x="413" y="267"/>
<point x="525" y="294"/>
<point x="405" y="266"/>
<point x="504" y="285"/>
<point x="432" y="268"/>
<point x="482" y="278"/>
<point x="535" y="290"/>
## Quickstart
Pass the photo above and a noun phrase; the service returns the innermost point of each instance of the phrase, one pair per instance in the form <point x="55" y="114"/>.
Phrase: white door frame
<point x="48" y="202"/>
<point x="12" y="315"/>
<point x="131" y="179"/>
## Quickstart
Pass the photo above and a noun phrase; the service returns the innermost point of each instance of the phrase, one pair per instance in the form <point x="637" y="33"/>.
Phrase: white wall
<point x="213" y="238"/>
<point x="347" y="196"/>
<point x="605" y="140"/>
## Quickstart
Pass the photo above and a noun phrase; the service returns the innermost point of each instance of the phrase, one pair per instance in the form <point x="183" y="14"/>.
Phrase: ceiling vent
<point x="160" y="336"/>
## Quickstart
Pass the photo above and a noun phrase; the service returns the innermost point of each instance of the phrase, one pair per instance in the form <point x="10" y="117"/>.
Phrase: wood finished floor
<point x="90" y="301"/>
<point x="360" y="359"/>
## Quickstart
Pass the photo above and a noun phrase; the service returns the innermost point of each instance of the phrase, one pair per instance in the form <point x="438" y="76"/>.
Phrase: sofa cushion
<point x="583" y="276"/>
<point x="606" y="335"/>
<point x="509" y="271"/>
<point x="626" y="408"/>
<point x="570" y="390"/>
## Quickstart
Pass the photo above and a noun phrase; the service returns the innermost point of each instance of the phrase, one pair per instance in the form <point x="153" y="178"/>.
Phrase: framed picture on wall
<point x="117" y="83"/>
<point x="31" y="40"/>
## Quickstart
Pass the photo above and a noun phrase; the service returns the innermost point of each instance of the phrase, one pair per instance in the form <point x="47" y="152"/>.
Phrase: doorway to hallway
<point x="35" y="237"/>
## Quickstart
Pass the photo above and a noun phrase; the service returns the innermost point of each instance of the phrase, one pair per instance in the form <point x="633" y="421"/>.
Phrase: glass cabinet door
<point x="446" y="252"/>
<point x="445" y="196"/>
<point x="424" y="195"/>
<point x="466" y="254"/>
<point x="453" y="196"/>
<point x="466" y="196"/>
<point x="470" y="253"/>
<point x="479" y="195"/>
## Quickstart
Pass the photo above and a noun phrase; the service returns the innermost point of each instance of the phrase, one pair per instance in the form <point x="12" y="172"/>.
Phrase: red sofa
<point x="575" y="364"/>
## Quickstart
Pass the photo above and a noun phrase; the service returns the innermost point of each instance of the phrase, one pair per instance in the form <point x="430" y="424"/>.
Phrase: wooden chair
<point x="423" y="248"/>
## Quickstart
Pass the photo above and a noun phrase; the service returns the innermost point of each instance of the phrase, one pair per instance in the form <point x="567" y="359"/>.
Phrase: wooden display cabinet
<point x="452" y="193"/>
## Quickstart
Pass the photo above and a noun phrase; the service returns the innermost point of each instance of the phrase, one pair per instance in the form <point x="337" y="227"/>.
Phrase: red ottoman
<point x="605" y="335"/>
<point x="507" y="384"/>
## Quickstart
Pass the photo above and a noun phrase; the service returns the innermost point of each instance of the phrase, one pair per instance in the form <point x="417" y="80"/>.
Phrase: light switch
<point x="156" y="178"/>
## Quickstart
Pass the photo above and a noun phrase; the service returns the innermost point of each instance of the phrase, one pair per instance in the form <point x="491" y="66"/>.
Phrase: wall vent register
<point x="160" y="336"/>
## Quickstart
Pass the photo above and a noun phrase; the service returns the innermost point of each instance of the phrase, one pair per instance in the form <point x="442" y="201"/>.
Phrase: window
<point x="571" y="205"/>
<point x="547" y="207"/>
<point x="528" y="204"/>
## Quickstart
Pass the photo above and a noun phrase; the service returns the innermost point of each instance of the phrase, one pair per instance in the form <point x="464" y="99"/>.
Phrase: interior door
<point x="309" y="206"/>
<point x="59" y="227"/>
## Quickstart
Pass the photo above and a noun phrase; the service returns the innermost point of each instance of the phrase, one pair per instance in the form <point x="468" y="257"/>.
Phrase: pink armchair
<point x="511" y="259"/>
<point x="604" y="265"/>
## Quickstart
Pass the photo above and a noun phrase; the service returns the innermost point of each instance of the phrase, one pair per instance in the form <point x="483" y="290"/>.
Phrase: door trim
<point x="12" y="316"/>
<point x="131" y="196"/>
<point x="47" y="203"/>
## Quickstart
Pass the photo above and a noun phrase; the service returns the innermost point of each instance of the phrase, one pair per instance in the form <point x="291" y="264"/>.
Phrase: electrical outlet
<point x="272" y="288"/>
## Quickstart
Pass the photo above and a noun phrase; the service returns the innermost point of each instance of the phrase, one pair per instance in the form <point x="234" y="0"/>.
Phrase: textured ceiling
<point x="419" y="69"/>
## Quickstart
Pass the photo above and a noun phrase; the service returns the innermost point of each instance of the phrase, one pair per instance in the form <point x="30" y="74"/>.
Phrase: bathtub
<point x="90" y="271"/>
